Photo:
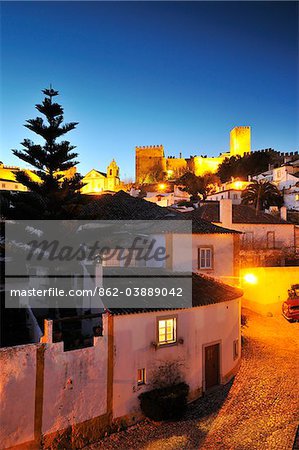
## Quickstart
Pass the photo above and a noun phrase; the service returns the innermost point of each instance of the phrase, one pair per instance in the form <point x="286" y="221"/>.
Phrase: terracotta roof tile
<point x="241" y="214"/>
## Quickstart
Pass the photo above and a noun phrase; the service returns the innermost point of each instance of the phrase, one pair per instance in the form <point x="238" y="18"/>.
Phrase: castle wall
<point x="203" y="165"/>
<point x="175" y="167"/>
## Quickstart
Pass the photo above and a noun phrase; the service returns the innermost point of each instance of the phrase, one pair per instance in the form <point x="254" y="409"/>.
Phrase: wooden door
<point x="212" y="365"/>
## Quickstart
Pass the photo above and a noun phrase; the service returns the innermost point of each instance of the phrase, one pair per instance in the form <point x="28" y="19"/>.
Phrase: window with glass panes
<point x="167" y="330"/>
<point x="205" y="258"/>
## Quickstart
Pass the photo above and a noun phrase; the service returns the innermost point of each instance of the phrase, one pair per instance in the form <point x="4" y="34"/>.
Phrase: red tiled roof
<point x="241" y="214"/>
<point x="205" y="291"/>
<point x="121" y="206"/>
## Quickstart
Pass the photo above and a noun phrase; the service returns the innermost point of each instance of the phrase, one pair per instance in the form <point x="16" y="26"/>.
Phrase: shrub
<point x="165" y="403"/>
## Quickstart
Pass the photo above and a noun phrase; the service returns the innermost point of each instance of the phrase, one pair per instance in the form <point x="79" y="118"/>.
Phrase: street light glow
<point x="250" y="278"/>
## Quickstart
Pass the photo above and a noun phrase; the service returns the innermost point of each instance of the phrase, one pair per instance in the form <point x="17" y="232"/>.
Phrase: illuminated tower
<point x="112" y="176"/>
<point x="150" y="163"/>
<point x="240" y="141"/>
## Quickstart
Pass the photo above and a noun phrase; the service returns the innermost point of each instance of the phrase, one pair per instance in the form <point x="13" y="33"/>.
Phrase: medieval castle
<point x="152" y="165"/>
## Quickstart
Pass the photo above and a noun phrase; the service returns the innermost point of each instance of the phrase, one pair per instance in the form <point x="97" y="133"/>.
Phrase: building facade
<point x="96" y="182"/>
<point x="266" y="239"/>
<point x="52" y="398"/>
<point x="152" y="164"/>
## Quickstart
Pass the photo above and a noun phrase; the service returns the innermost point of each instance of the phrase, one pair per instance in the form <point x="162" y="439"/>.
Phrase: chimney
<point x="283" y="213"/>
<point x="226" y="212"/>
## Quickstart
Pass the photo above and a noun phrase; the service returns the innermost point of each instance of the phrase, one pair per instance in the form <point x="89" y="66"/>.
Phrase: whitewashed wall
<point x="223" y="255"/>
<point x="75" y="385"/>
<point x="17" y="394"/>
<point x="134" y="334"/>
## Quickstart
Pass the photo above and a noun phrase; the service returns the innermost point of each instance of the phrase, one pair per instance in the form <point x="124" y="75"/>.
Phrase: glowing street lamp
<point x="250" y="278"/>
<point x="162" y="186"/>
<point x="238" y="184"/>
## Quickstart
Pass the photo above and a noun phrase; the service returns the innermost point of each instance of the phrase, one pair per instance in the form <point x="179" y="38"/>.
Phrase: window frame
<point x="141" y="381"/>
<point x="167" y="343"/>
<point x="205" y="248"/>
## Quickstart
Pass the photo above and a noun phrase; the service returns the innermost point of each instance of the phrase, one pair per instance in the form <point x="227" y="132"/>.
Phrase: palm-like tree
<point x="261" y="195"/>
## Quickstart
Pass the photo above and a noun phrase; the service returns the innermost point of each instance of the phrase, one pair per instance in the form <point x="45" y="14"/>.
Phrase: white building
<point x="286" y="178"/>
<point x="51" y="398"/>
<point x="265" y="237"/>
<point x="229" y="190"/>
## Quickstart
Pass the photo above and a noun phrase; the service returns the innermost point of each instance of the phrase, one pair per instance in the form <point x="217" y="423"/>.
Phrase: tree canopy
<point x="250" y="164"/>
<point x="262" y="195"/>
<point x="56" y="192"/>
<point x="199" y="185"/>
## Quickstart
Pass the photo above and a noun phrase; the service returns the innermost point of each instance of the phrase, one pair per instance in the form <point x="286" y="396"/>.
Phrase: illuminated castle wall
<point x="152" y="165"/>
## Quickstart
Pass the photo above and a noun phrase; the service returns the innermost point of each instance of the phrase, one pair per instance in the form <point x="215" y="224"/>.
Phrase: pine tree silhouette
<point x="55" y="196"/>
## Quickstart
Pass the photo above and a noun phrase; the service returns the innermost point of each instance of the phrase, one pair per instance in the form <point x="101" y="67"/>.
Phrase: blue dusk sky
<point x="181" y="74"/>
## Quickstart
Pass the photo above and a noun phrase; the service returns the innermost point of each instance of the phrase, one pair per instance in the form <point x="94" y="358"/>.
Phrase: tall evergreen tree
<point x="55" y="195"/>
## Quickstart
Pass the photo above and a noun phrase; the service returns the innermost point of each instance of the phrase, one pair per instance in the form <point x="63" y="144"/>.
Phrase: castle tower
<point x="240" y="141"/>
<point x="112" y="176"/>
<point x="150" y="163"/>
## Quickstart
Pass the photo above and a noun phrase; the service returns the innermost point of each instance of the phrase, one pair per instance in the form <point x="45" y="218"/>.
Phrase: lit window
<point x="236" y="348"/>
<point x="297" y="197"/>
<point x="205" y="258"/>
<point x="167" y="331"/>
<point x="141" y="376"/>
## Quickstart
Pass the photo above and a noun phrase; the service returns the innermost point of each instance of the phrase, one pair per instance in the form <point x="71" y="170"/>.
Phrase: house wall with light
<point x="258" y="283"/>
<point x="136" y="347"/>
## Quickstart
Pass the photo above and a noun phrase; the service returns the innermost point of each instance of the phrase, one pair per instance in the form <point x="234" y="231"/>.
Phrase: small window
<point x="235" y="196"/>
<point x="3" y="185"/>
<point x="167" y="331"/>
<point x="236" y="348"/>
<point x="205" y="258"/>
<point x="110" y="171"/>
<point x="271" y="239"/>
<point x="141" y="379"/>
<point x="297" y="197"/>
<point x="16" y="186"/>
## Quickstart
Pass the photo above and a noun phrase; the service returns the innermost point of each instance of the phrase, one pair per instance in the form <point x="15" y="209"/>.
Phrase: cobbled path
<point x="258" y="410"/>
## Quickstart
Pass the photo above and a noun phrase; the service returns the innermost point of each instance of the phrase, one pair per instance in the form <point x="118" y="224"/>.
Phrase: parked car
<point x="290" y="308"/>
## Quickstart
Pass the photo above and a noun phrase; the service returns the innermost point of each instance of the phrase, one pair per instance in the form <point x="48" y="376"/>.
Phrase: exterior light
<point x="238" y="184"/>
<point x="162" y="186"/>
<point x="250" y="278"/>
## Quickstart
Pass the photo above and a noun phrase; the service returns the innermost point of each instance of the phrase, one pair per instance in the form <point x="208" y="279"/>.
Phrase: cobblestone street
<point x="258" y="410"/>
